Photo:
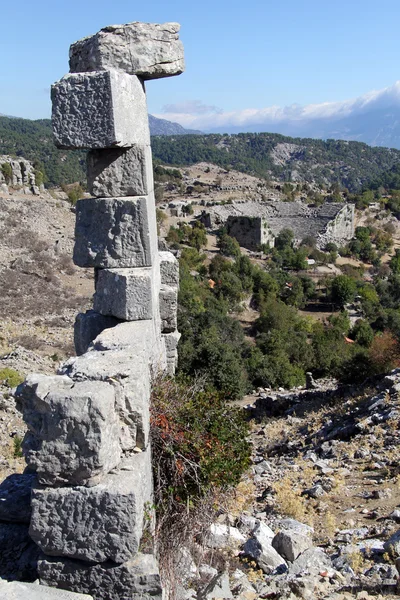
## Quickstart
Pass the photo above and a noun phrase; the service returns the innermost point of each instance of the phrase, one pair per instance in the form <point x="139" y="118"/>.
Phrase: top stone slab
<point x="149" y="50"/>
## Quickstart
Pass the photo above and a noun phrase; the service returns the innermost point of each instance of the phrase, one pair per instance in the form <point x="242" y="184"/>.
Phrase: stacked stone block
<point x="88" y="426"/>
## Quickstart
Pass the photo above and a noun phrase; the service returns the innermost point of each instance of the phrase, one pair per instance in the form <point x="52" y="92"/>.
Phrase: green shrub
<point x="198" y="442"/>
<point x="10" y="377"/>
<point x="75" y="193"/>
<point x="7" y="172"/>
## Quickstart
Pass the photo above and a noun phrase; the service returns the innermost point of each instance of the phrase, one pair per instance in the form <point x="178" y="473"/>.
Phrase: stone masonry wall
<point x="88" y="426"/>
<point x="256" y="223"/>
<point x="22" y="175"/>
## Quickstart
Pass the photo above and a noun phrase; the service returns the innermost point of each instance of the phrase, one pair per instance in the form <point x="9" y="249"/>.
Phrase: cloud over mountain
<point x="373" y="117"/>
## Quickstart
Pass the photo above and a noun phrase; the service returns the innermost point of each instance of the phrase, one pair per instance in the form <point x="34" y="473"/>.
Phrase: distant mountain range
<point x="164" y="127"/>
<point x="380" y="127"/>
<point x="157" y="126"/>
<point x="373" y="118"/>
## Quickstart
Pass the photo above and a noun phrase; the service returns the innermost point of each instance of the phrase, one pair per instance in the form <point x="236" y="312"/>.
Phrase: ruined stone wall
<point x="250" y="232"/>
<point x="255" y="223"/>
<point x="22" y="175"/>
<point x="88" y="426"/>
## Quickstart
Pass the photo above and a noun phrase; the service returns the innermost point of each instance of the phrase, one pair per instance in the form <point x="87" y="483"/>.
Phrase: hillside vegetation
<point x="272" y="156"/>
<point x="353" y="165"/>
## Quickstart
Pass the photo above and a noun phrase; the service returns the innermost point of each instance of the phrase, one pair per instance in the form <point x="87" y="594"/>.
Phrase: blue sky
<point x="239" y="55"/>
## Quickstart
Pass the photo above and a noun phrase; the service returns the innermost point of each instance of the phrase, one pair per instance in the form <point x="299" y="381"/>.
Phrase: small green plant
<point x="17" y="446"/>
<point x="6" y="170"/>
<point x="75" y="193"/>
<point x="10" y="377"/>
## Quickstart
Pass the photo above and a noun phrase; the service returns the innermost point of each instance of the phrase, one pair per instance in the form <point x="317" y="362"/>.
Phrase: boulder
<point x="264" y="554"/>
<point x="221" y="536"/>
<point x="290" y="544"/>
<point x="15" y="498"/>
<point x="112" y="233"/>
<point x="150" y="50"/>
<point x="124" y="293"/>
<point x="117" y="172"/>
<point x="138" y="577"/>
<point x="73" y="429"/>
<point x="99" y="110"/>
<point x="392" y="545"/>
<point x="100" y="523"/>
<point x="217" y="588"/>
<point x="313" y="560"/>
<point x="16" y="590"/>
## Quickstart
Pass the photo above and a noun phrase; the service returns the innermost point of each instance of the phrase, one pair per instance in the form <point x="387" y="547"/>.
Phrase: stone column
<point x="88" y="439"/>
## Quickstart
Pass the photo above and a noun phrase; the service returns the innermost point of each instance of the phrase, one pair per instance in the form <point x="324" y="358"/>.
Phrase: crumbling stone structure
<point x="17" y="173"/>
<point x="256" y="223"/>
<point x="88" y="426"/>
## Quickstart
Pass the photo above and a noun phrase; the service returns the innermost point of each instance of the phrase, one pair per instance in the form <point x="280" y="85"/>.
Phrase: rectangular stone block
<point x="127" y="369"/>
<point x="120" y="172"/>
<point x="100" y="523"/>
<point x="136" y="578"/>
<point x="150" y="50"/>
<point x="168" y="308"/>
<point x="73" y="433"/>
<point x="171" y="347"/>
<point x="113" y="233"/>
<point x="124" y="293"/>
<point x="18" y="590"/>
<point x="169" y="268"/>
<point x="99" y="110"/>
<point x="88" y="326"/>
<point x="138" y="337"/>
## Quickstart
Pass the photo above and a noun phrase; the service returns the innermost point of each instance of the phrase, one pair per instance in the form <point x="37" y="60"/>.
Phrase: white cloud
<point x="191" y="107"/>
<point x="196" y="115"/>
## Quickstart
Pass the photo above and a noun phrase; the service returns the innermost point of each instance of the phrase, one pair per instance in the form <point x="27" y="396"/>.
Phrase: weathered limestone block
<point x="128" y="372"/>
<point x="124" y="293"/>
<point x="169" y="267"/>
<point x="15" y="498"/>
<point x="100" y="523"/>
<point x="18" y="554"/>
<point x="17" y="590"/>
<point x="171" y="347"/>
<point x="99" y="110"/>
<point x="118" y="172"/>
<point x="150" y="50"/>
<point x="88" y="326"/>
<point x="168" y="308"/>
<point x="73" y="429"/>
<point x="112" y="233"/>
<point x="137" y="578"/>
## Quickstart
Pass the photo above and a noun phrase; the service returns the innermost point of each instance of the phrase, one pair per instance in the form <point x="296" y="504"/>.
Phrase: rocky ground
<point x="321" y="509"/>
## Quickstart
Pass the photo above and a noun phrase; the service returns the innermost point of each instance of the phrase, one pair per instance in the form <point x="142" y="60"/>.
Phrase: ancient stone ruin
<point x="17" y="173"/>
<point x="256" y="223"/>
<point x="88" y="426"/>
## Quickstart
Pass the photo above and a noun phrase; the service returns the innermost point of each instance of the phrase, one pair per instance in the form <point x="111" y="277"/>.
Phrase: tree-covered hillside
<point x="351" y="164"/>
<point x="34" y="140"/>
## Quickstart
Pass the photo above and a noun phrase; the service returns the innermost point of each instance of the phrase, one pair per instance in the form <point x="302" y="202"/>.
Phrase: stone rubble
<point x="86" y="497"/>
<point x="285" y="558"/>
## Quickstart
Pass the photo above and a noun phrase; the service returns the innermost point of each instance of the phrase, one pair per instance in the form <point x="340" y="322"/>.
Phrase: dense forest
<point x="352" y="165"/>
<point x="283" y="344"/>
